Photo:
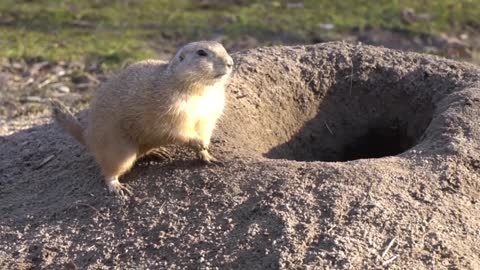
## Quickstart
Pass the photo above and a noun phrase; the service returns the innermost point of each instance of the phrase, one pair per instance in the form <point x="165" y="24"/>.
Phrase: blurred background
<point x="66" y="48"/>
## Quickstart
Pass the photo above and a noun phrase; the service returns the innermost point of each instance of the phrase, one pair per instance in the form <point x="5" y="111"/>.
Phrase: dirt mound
<point x="336" y="156"/>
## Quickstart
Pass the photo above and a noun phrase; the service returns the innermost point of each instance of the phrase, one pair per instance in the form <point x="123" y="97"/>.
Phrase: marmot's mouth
<point x="220" y="75"/>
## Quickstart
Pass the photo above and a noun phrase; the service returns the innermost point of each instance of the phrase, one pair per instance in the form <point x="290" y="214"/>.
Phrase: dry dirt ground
<point x="336" y="156"/>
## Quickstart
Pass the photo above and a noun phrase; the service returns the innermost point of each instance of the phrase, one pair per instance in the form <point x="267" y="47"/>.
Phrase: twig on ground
<point x="93" y="208"/>
<point x="388" y="247"/>
<point x="45" y="161"/>
<point x="331" y="228"/>
<point x="387" y="262"/>
<point x="329" y="130"/>
<point x="47" y="81"/>
<point x="160" y="210"/>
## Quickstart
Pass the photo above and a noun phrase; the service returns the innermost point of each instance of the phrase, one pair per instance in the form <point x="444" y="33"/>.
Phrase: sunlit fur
<point x="155" y="103"/>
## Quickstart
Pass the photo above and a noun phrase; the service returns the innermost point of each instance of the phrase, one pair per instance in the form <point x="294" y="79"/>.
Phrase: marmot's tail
<point x="67" y="121"/>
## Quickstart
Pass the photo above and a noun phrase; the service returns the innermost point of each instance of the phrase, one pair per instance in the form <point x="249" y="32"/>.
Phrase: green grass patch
<point x="123" y="30"/>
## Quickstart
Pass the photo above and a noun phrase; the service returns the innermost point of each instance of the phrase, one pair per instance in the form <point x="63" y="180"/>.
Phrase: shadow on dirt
<point x="52" y="188"/>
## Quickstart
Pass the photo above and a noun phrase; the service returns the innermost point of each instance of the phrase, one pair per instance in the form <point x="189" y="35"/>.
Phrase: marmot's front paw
<point x="205" y="156"/>
<point x="121" y="190"/>
<point x="197" y="144"/>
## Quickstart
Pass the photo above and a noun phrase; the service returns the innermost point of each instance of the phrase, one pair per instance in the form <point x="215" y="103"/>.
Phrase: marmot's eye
<point x="202" y="53"/>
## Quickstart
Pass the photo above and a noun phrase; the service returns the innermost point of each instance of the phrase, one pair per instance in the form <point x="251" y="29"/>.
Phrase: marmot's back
<point x="134" y="83"/>
<point x="129" y="95"/>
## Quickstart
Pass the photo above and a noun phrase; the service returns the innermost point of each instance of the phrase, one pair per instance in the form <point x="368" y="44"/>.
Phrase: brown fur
<point x="151" y="104"/>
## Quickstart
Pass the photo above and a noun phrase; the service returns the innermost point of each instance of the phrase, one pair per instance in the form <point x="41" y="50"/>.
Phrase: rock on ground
<point x="336" y="156"/>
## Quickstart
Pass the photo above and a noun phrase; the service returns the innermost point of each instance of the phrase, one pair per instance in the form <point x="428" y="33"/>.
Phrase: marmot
<point x="151" y="104"/>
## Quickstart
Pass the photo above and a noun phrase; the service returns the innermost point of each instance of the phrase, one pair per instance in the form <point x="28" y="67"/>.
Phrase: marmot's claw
<point x="216" y="162"/>
<point x="161" y="152"/>
<point x="121" y="190"/>
<point x="205" y="157"/>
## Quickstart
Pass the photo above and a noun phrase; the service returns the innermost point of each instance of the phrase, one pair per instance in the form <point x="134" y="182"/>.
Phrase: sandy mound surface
<point x="336" y="156"/>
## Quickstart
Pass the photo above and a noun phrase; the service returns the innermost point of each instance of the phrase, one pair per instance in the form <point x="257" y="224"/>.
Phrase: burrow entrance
<point x="317" y="104"/>
<point x="378" y="142"/>
<point x="365" y="118"/>
<point x="368" y="117"/>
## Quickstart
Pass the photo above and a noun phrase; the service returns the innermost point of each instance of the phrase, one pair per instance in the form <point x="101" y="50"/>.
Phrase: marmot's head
<point x="201" y="62"/>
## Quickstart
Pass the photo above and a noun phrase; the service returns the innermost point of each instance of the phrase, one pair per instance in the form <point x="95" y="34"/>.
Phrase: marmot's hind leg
<point x="115" y="159"/>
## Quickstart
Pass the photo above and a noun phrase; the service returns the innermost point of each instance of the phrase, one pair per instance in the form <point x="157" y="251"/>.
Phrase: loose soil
<point x="336" y="156"/>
